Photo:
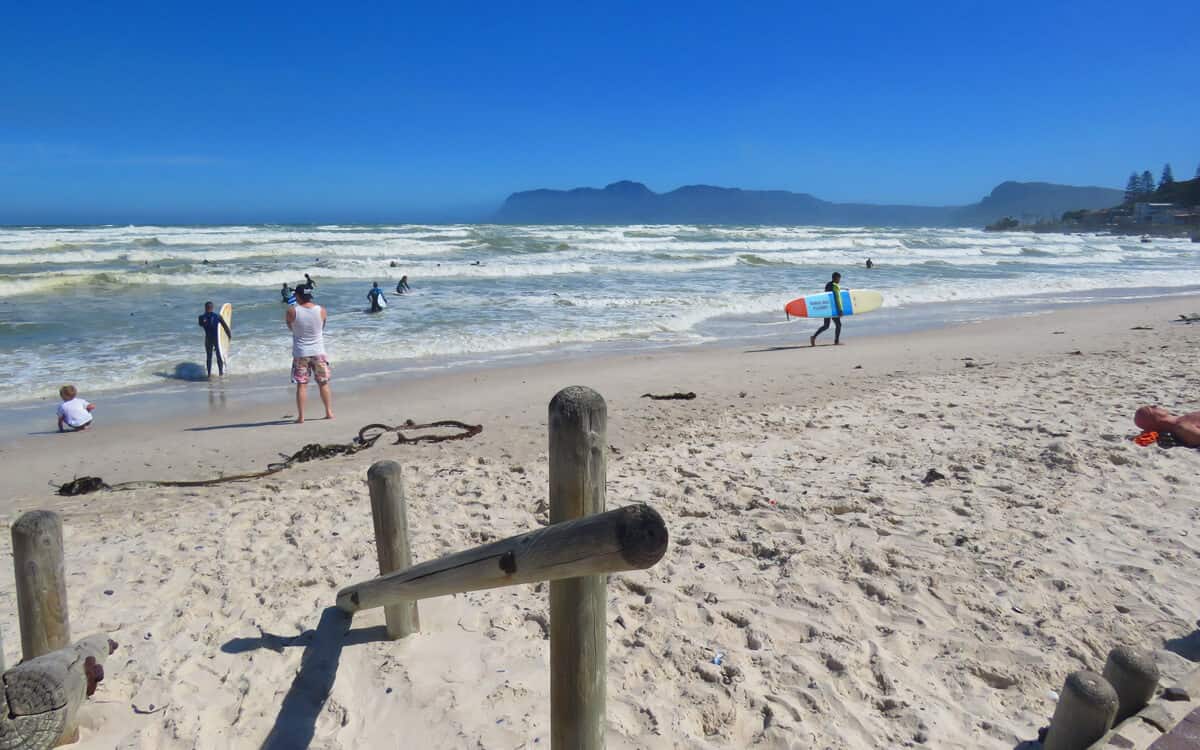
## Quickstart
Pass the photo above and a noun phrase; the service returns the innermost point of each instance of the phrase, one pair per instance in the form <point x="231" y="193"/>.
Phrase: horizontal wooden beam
<point x="629" y="538"/>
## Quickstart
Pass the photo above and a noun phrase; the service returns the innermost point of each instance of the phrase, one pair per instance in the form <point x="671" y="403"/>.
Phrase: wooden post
<point x="1085" y="711"/>
<point x="390" y="514"/>
<point x="629" y="538"/>
<point x="1134" y="675"/>
<point x="41" y="583"/>
<point x="42" y="696"/>
<point x="578" y="630"/>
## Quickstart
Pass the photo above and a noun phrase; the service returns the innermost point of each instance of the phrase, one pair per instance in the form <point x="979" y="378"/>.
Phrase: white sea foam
<point x="489" y="291"/>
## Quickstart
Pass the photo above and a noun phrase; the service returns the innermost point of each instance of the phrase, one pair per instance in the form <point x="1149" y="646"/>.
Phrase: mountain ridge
<point x="630" y="202"/>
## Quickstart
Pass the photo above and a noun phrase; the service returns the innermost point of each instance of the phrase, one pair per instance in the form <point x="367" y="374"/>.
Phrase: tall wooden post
<point x="41" y="582"/>
<point x="390" y="515"/>
<point x="578" y="636"/>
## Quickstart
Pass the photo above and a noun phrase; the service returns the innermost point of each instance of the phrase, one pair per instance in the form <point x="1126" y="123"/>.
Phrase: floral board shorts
<point x="317" y="366"/>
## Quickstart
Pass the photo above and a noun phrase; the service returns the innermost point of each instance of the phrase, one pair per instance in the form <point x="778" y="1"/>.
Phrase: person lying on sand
<point x="1185" y="428"/>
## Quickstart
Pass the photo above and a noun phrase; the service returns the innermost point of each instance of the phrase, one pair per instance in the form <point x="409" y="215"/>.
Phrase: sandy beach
<point x="854" y="604"/>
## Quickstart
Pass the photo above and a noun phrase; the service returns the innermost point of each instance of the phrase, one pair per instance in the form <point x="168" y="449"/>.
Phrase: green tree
<point x="1147" y="183"/>
<point x="1132" y="188"/>
<point x="1167" y="178"/>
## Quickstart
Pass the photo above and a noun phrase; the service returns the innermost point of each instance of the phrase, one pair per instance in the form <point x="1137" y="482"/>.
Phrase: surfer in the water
<point x="212" y="325"/>
<point x="286" y="292"/>
<point x="376" y="298"/>
<point x="308" y="284"/>
<point x="402" y="286"/>
<point x="833" y="286"/>
<point x="870" y="265"/>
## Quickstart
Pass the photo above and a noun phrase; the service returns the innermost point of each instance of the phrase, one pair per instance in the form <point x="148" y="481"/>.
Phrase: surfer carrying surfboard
<point x="376" y="298"/>
<point x="212" y="325"/>
<point x="833" y="286"/>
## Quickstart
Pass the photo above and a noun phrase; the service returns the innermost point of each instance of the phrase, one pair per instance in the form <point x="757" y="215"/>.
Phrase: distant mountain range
<point x="628" y="202"/>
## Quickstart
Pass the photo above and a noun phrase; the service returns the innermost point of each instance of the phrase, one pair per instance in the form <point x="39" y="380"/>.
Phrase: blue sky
<point x="391" y="111"/>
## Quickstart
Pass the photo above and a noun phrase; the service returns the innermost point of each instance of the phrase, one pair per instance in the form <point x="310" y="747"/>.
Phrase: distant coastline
<point x="629" y="202"/>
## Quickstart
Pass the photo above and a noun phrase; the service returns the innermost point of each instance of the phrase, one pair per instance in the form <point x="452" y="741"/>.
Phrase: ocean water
<point x="113" y="307"/>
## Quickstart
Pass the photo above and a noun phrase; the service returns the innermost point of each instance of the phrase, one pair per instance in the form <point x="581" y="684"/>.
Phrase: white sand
<point x="855" y="606"/>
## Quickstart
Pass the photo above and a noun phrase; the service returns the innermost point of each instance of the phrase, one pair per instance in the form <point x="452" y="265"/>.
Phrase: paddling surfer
<point x="834" y="286"/>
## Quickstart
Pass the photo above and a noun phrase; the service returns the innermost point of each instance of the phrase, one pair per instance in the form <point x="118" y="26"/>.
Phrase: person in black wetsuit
<point x="374" y="296"/>
<point x="286" y="292"/>
<point x="832" y="286"/>
<point x="403" y="286"/>
<point x="212" y="325"/>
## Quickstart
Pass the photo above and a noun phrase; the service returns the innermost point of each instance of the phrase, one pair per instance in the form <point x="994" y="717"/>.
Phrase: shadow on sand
<point x="241" y="425"/>
<point x="783" y="348"/>
<point x="1187" y="646"/>
<point x="297" y="720"/>
<point x="193" y="372"/>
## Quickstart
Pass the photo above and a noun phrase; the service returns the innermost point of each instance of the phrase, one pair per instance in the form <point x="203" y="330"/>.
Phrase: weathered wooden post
<point x="37" y="542"/>
<point x="42" y="697"/>
<point x="1085" y="711"/>
<point x="578" y="631"/>
<point x="1134" y="675"/>
<point x="390" y="514"/>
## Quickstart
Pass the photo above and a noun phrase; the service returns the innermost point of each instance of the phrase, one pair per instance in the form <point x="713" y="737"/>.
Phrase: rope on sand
<point x="366" y="437"/>
<point x="670" y="396"/>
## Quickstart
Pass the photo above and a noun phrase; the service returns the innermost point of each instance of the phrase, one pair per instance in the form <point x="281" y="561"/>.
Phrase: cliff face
<point x="629" y="202"/>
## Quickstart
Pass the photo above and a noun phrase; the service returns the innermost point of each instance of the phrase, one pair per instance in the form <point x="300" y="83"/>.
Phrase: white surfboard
<point x="222" y="337"/>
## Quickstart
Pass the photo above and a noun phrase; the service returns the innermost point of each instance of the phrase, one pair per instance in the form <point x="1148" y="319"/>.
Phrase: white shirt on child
<point x="74" y="412"/>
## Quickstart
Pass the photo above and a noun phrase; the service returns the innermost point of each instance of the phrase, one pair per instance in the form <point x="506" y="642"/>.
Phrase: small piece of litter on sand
<point x="932" y="476"/>
<point x="1141" y="328"/>
<point x="151" y="709"/>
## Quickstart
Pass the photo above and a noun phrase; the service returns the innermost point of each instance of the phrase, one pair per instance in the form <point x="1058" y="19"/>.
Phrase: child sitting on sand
<point x="74" y="414"/>
<point x="1184" y="428"/>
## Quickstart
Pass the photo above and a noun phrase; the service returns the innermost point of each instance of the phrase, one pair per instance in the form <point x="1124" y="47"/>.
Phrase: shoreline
<point x="178" y="397"/>
<point x="239" y="433"/>
<point x="855" y="602"/>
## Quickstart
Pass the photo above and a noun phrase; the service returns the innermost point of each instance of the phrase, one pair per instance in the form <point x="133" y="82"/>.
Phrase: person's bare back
<point x="1184" y="428"/>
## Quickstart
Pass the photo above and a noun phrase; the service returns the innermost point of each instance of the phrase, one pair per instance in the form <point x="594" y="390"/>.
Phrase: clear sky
<point x="270" y="111"/>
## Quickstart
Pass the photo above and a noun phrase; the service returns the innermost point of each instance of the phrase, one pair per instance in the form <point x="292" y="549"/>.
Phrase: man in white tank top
<point x="306" y="319"/>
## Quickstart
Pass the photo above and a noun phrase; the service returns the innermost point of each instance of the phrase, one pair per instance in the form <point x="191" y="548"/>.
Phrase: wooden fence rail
<point x="580" y="547"/>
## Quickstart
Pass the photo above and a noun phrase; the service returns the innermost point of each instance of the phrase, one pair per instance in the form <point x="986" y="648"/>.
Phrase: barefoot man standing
<point x="306" y="319"/>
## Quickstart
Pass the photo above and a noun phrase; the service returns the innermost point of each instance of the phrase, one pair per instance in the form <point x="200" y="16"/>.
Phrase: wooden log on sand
<point x="578" y="422"/>
<point x="629" y="538"/>
<point x="40" y="702"/>
<point x="41" y="583"/>
<point x="390" y="515"/>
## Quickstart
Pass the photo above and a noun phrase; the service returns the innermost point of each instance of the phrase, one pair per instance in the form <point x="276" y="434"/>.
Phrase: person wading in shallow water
<point x="212" y="325"/>
<point x="832" y="286"/>
<point x="307" y="322"/>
